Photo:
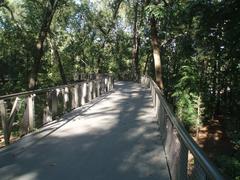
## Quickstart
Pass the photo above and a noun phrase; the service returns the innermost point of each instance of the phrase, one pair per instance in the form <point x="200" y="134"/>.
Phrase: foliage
<point x="83" y="33"/>
<point x="188" y="101"/>
<point x="231" y="165"/>
<point x="155" y="10"/>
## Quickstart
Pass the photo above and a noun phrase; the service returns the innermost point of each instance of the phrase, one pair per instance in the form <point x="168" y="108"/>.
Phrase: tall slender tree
<point x="155" y="47"/>
<point x="50" y="9"/>
<point x="136" y="44"/>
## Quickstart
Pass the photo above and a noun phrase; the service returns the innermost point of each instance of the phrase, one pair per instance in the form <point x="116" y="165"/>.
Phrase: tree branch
<point x="4" y="5"/>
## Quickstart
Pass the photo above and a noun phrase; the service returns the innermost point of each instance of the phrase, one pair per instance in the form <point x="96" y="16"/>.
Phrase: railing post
<point x="72" y="92"/>
<point x="154" y="98"/>
<point x="47" y="116"/>
<point x="84" y="92"/>
<point x="90" y="76"/>
<point x="90" y="88"/>
<point x="65" y="98"/>
<point x="29" y="116"/>
<point x="101" y="86"/>
<point x="3" y="115"/>
<point x="168" y="138"/>
<point x="76" y="76"/>
<point x="98" y="87"/>
<point x="157" y="107"/>
<point x="106" y="84"/>
<point x="94" y="89"/>
<point x="76" y="96"/>
<point x="31" y="112"/>
<point x="112" y="82"/>
<point x="81" y="77"/>
<point x="54" y="100"/>
<point x="98" y="76"/>
<point x="162" y="121"/>
<point x="87" y="92"/>
<point x="79" y="94"/>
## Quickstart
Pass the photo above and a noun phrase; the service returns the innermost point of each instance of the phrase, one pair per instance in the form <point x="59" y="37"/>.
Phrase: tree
<point x="155" y="42"/>
<point x="57" y="58"/>
<point x="49" y="12"/>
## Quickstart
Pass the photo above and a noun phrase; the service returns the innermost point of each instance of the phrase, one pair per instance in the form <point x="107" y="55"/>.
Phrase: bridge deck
<point x="114" y="137"/>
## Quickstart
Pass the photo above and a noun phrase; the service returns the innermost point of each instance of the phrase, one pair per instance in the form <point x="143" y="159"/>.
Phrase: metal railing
<point x="177" y="142"/>
<point x="32" y="109"/>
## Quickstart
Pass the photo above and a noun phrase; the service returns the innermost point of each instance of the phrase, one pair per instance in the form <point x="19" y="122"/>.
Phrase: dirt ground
<point x="213" y="139"/>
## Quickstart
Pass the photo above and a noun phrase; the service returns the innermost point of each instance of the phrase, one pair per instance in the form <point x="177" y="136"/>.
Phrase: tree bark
<point x="39" y="46"/>
<point x="99" y="60"/>
<point x="58" y="60"/>
<point x="146" y="64"/>
<point x="136" y="42"/>
<point x="156" y="53"/>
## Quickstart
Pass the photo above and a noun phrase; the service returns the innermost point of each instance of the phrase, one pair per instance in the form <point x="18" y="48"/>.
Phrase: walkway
<point x="112" y="138"/>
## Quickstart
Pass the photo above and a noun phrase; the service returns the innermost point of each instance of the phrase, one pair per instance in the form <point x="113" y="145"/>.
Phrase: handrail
<point x="48" y="102"/>
<point x="37" y="91"/>
<point x="207" y="168"/>
<point x="43" y="90"/>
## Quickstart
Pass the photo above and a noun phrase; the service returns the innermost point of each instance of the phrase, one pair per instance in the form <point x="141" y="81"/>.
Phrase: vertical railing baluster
<point x="87" y="92"/>
<point x="98" y="88"/>
<point x="154" y="99"/>
<point x="163" y="123"/>
<point x="94" y="89"/>
<point x="3" y="115"/>
<point x="29" y="115"/>
<point x="65" y="98"/>
<point x="54" y="99"/>
<point x="157" y="108"/>
<point x="31" y="112"/>
<point x="108" y="84"/>
<point x="90" y="89"/>
<point x="76" y="96"/>
<point x="73" y="102"/>
<point x="47" y="116"/>
<point x="83" y="93"/>
<point x="168" y="138"/>
<point x="79" y="94"/>
<point x="61" y="104"/>
<point x="104" y="84"/>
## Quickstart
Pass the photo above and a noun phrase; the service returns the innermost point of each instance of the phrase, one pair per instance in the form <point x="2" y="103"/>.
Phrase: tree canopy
<point x="191" y="48"/>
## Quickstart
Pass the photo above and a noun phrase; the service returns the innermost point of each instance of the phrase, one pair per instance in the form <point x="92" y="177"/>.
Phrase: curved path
<point x="114" y="137"/>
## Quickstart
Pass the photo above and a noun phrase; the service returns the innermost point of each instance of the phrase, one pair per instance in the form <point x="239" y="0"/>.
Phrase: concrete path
<point x="114" y="138"/>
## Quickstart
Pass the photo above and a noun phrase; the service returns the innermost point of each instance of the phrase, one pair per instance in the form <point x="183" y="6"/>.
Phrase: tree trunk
<point x="58" y="60"/>
<point x="39" y="46"/>
<point x="99" y="60"/>
<point x="146" y="64"/>
<point x="136" y="44"/>
<point x="156" y="53"/>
